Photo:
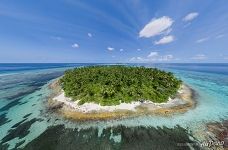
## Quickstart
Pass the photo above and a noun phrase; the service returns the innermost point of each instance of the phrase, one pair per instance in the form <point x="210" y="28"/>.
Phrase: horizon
<point x="136" y="31"/>
<point x="115" y="63"/>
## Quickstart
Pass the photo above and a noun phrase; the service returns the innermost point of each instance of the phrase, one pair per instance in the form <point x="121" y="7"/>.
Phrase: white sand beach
<point x="93" y="107"/>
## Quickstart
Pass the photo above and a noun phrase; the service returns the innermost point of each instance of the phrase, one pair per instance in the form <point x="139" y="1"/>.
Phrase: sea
<point x="26" y="124"/>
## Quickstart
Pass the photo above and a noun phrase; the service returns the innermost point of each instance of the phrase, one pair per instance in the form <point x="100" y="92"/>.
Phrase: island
<point x="116" y="91"/>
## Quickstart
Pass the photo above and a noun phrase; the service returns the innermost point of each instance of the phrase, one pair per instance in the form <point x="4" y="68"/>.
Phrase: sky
<point x="114" y="31"/>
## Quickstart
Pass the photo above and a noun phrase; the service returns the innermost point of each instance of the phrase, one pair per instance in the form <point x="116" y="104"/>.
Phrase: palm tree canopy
<point x="112" y="85"/>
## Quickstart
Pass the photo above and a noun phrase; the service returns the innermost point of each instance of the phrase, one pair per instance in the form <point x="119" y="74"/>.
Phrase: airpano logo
<point x="212" y="143"/>
<point x="203" y="144"/>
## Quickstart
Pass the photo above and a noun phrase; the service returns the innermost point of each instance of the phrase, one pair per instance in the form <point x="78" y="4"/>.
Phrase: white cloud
<point x="167" y="57"/>
<point x="133" y="59"/>
<point x="75" y="45"/>
<point x="121" y="50"/>
<point x="219" y="36"/>
<point x="110" y="48"/>
<point x="138" y="49"/>
<point x="165" y="40"/>
<point x="199" y="57"/>
<point x="202" y="40"/>
<point x="153" y="56"/>
<point x="89" y="34"/>
<point x="190" y="16"/>
<point x="156" y="26"/>
<point x="187" y="24"/>
<point x="136" y="59"/>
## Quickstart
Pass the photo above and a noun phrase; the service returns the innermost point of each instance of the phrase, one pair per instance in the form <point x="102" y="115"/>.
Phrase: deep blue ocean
<point x="24" y="124"/>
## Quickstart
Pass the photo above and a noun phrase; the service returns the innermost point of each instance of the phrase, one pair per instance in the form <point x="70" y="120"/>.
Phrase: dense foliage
<point x="111" y="85"/>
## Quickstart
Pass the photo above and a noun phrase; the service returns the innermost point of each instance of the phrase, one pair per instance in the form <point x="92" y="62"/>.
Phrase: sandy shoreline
<point x="183" y="101"/>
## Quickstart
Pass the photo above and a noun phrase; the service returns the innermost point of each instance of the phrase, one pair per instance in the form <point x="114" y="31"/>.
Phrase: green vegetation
<point x="111" y="85"/>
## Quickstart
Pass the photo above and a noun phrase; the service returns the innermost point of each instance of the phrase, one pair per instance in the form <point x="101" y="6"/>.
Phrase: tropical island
<point x="101" y="92"/>
<point x="112" y="85"/>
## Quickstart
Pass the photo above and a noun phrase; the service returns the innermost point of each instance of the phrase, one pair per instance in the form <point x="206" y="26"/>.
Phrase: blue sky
<point x="147" y="31"/>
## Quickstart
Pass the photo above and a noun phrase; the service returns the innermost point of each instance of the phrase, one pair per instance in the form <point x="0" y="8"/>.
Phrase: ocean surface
<point x="25" y="124"/>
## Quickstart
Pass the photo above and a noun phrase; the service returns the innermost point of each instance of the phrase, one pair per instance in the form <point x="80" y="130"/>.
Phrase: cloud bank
<point x="152" y="56"/>
<point x="199" y="57"/>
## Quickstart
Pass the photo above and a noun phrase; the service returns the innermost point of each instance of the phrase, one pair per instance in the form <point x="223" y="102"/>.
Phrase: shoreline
<point x="69" y="109"/>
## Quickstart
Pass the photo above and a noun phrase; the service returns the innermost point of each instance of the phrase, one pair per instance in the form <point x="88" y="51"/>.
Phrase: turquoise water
<point x="23" y="92"/>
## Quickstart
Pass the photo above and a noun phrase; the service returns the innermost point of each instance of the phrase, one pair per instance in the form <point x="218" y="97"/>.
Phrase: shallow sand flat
<point x="183" y="101"/>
